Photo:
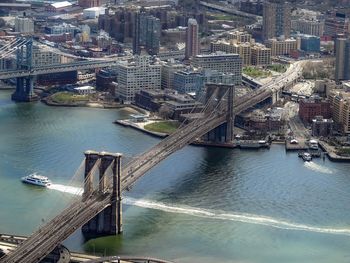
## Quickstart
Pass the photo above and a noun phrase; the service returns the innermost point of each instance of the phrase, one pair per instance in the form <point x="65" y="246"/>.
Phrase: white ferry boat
<point x="306" y="157"/>
<point x="36" y="179"/>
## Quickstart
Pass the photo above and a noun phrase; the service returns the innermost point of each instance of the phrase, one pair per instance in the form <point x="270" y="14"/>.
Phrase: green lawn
<point x="256" y="72"/>
<point x="162" y="126"/>
<point x="68" y="97"/>
<point x="344" y="152"/>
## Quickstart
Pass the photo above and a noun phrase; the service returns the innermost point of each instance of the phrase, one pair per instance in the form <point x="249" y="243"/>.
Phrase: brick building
<point x="310" y="108"/>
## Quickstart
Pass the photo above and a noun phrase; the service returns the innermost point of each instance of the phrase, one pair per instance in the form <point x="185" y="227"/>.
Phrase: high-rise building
<point x="24" y="25"/>
<point x="342" y="59"/>
<point x="276" y="19"/>
<point x="192" y="44"/>
<point x="147" y="31"/>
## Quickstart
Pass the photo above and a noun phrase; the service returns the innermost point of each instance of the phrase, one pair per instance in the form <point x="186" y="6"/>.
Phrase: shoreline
<point x="246" y="146"/>
<point x="128" y="107"/>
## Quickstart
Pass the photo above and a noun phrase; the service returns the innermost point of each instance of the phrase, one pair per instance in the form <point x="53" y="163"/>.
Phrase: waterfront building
<point x="342" y="59"/>
<point x="140" y="74"/>
<point x="310" y="43"/>
<point x="24" y="25"/>
<point x="192" y="43"/>
<point x="281" y="46"/>
<point x="174" y="102"/>
<point x="310" y="108"/>
<point x="222" y="62"/>
<point x="309" y="27"/>
<point x="322" y="127"/>
<point x="340" y="101"/>
<point x="276" y="19"/>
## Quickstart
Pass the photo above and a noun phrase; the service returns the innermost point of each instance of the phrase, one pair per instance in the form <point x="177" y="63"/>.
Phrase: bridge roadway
<point x="46" y="238"/>
<point x="60" y="68"/>
<point x="228" y="10"/>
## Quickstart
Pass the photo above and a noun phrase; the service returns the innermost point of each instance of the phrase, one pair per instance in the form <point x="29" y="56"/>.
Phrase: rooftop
<point x="61" y="4"/>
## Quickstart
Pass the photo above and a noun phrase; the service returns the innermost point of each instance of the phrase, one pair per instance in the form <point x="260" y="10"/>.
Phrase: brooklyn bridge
<point x="99" y="211"/>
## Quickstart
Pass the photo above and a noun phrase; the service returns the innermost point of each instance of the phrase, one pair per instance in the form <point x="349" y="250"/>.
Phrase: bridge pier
<point x="108" y="221"/>
<point x="224" y="132"/>
<point x="24" y="90"/>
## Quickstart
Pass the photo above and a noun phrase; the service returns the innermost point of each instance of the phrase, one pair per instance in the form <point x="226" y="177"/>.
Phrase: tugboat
<point x="36" y="179"/>
<point x="306" y="157"/>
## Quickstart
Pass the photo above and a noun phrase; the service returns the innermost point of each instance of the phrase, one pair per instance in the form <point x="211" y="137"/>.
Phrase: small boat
<point x="36" y="179"/>
<point x="306" y="157"/>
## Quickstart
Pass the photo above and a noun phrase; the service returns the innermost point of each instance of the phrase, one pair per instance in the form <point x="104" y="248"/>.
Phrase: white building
<point x="85" y="90"/>
<point x="93" y="12"/>
<point x="24" y="25"/>
<point x="140" y="74"/>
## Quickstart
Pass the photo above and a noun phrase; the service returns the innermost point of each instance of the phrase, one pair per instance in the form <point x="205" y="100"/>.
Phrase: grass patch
<point x="278" y="68"/>
<point x="343" y="152"/>
<point x="69" y="97"/>
<point x="222" y="17"/>
<point x="256" y="72"/>
<point x="162" y="126"/>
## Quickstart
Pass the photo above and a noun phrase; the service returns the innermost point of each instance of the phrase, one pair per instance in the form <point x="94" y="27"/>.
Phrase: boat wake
<point x="66" y="189"/>
<point x="237" y="217"/>
<point x="212" y="214"/>
<point x="317" y="168"/>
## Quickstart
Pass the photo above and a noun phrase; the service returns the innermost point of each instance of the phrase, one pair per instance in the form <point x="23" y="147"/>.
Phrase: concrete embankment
<point x="332" y="154"/>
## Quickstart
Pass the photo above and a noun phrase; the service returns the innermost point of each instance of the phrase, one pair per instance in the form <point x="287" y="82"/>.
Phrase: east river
<point x="199" y="205"/>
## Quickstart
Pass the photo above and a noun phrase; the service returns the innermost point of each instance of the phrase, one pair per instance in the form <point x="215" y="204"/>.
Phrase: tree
<point x="165" y="112"/>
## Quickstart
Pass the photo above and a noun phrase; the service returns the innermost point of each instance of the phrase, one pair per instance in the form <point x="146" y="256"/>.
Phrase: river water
<point x="199" y="205"/>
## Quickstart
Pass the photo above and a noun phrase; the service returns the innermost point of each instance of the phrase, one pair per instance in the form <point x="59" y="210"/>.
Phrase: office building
<point x="192" y="43"/>
<point x="140" y="74"/>
<point x="276" y="19"/>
